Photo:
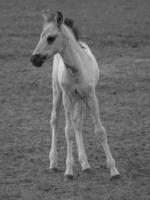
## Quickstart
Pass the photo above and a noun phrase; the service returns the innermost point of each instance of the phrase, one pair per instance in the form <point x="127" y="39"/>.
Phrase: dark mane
<point x="70" y="23"/>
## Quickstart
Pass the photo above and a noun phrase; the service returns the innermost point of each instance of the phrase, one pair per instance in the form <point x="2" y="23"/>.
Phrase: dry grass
<point x="119" y="34"/>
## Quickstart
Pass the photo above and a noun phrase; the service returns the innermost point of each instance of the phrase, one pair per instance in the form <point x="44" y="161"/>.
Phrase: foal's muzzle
<point x="38" y="59"/>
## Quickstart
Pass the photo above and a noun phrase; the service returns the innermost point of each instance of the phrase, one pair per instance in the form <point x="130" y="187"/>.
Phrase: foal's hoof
<point x="87" y="171"/>
<point x="114" y="174"/>
<point x="54" y="169"/>
<point x="115" y="177"/>
<point x="68" y="177"/>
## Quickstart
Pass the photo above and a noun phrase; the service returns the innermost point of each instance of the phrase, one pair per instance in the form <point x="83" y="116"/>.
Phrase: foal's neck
<point x="72" y="53"/>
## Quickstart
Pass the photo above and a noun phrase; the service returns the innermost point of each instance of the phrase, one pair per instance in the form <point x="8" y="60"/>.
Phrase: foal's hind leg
<point x="57" y="98"/>
<point x="78" y="124"/>
<point x="101" y="134"/>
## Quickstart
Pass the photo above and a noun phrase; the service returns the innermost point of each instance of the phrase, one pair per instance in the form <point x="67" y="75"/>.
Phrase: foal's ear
<point x="59" y="18"/>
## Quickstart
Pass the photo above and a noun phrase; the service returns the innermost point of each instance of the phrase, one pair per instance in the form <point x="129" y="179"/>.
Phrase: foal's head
<point x="52" y="40"/>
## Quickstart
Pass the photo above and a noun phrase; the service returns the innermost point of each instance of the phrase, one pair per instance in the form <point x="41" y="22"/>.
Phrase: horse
<point x="74" y="78"/>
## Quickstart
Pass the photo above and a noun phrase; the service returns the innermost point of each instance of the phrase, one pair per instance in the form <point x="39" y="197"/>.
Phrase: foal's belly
<point x="73" y="84"/>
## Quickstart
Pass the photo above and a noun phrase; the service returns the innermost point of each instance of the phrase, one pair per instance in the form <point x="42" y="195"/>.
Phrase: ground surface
<point x="118" y="32"/>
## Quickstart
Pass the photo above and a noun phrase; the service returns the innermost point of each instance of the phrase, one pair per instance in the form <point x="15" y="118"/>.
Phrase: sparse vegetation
<point x="119" y="34"/>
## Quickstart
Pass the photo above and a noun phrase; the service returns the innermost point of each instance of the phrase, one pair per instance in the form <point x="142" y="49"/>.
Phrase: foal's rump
<point x="86" y="48"/>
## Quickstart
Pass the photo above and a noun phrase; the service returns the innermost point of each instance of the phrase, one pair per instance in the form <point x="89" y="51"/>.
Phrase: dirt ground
<point x="118" y="33"/>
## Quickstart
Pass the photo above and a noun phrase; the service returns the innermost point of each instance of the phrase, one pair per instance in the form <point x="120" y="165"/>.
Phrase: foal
<point x="74" y="77"/>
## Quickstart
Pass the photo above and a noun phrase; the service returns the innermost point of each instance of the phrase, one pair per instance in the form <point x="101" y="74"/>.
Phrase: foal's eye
<point x="50" y="39"/>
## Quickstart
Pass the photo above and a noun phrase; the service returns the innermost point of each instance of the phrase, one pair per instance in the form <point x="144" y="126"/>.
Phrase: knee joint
<point x="101" y="134"/>
<point x="54" y="117"/>
<point x="69" y="133"/>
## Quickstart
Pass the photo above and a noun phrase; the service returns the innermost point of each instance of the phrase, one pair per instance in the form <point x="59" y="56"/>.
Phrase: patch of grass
<point x="118" y="33"/>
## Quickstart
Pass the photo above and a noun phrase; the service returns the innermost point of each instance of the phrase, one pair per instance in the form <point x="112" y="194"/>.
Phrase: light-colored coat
<point x="74" y="78"/>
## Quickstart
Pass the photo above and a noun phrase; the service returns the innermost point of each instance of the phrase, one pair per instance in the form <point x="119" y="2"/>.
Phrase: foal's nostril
<point x="38" y="59"/>
<point x="33" y="58"/>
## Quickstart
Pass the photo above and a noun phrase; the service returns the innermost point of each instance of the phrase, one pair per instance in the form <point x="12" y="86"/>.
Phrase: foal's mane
<point x="70" y="24"/>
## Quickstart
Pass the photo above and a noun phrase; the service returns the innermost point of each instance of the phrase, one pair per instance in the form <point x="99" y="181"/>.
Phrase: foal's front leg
<point x="57" y="98"/>
<point x="101" y="134"/>
<point x="69" y="133"/>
